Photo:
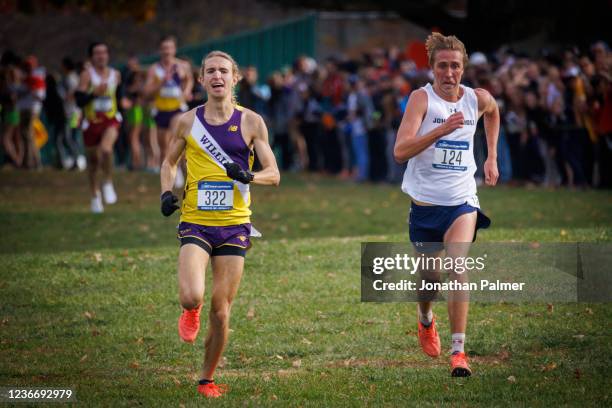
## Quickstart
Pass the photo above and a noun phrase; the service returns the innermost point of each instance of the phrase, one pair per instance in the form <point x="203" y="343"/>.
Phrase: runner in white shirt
<point x="436" y="136"/>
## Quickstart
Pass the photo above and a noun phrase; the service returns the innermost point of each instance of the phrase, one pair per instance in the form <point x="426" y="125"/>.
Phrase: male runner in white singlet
<point x="437" y="137"/>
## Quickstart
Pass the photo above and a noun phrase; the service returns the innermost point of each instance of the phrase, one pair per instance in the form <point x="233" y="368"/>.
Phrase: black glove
<point x="235" y="172"/>
<point x="168" y="203"/>
<point x="83" y="98"/>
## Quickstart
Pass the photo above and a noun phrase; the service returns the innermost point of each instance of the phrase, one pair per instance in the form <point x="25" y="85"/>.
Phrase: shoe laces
<point x="191" y="318"/>
<point x="459" y="359"/>
<point x="429" y="331"/>
<point x="216" y="389"/>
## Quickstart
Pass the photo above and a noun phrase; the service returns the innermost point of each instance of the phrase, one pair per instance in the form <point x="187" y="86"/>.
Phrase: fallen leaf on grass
<point x="88" y="315"/>
<point x="550" y="307"/>
<point x="244" y="359"/>
<point x="503" y="355"/>
<point x="511" y="379"/>
<point x="548" y="367"/>
<point x="85" y="357"/>
<point x="95" y="332"/>
<point x="296" y="363"/>
<point x="588" y="311"/>
<point x="135" y="365"/>
<point x="279" y="357"/>
<point x="175" y="380"/>
<point x="97" y="256"/>
<point x="347" y="363"/>
<point x="579" y="336"/>
<point x="306" y="341"/>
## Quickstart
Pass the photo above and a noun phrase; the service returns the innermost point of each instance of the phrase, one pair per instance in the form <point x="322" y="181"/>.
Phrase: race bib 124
<point x="451" y="155"/>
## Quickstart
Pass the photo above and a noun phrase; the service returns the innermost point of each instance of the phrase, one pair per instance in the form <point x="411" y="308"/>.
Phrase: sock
<point x="426" y="318"/>
<point x="457" y="340"/>
<point x="204" y="381"/>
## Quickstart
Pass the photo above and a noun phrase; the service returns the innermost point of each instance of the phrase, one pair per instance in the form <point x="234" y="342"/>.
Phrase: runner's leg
<point x="227" y="272"/>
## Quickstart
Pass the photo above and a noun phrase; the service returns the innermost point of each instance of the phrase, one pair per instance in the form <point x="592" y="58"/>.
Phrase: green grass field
<point x="90" y="302"/>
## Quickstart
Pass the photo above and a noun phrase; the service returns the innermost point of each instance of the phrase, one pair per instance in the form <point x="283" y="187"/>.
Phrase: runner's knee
<point x="220" y="312"/>
<point x="106" y="149"/>
<point x="191" y="300"/>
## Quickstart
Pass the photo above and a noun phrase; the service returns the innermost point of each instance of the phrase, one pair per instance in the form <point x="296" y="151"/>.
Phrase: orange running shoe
<point x="459" y="365"/>
<point x="212" y="390"/>
<point x="189" y="324"/>
<point x="429" y="338"/>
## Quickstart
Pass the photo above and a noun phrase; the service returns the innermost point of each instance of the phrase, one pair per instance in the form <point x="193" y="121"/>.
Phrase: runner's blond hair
<point x="438" y="42"/>
<point x="235" y="70"/>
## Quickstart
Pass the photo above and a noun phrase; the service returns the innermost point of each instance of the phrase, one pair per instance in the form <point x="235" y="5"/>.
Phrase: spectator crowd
<point x="340" y="116"/>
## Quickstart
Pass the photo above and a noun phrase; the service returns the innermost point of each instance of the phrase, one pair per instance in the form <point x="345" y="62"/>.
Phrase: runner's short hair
<point x="165" y="38"/>
<point x="93" y="45"/>
<point x="438" y="42"/>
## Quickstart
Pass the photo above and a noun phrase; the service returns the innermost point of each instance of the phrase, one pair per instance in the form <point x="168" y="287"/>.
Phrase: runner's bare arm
<point x="82" y="94"/>
<point x="188" y="88"/>
<point x="152" y="85"/>
<point x="269" y="174"/>
<point x="83" y="81"/>
<point x="407" y="144"/>
<point x="175" y="151"/>
<point x="487" y="106"/>
<point x="120" y="93"/>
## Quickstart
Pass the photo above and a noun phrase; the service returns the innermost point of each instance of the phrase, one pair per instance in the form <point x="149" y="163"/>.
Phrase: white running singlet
<point x="443" y="173"/>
